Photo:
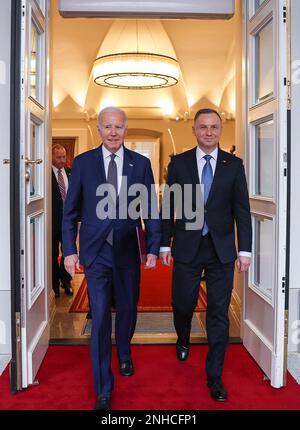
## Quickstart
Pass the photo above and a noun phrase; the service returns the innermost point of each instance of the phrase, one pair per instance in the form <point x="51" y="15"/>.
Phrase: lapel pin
<point x="131" y="165"/>
<point x="224" y="161"/>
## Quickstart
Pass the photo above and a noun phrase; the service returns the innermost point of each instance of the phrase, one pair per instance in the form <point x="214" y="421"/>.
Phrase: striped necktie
<point x="61" y="185"/>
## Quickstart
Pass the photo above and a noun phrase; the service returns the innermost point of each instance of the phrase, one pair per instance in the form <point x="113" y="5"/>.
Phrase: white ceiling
<point x="205" y="50"/>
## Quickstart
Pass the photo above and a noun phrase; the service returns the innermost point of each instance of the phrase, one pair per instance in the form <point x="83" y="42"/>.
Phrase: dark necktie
<point x="206" y="180"/>
<point x="112" y="172"/>
<point x="112" y="178"/>
<point x="61" y="184"/>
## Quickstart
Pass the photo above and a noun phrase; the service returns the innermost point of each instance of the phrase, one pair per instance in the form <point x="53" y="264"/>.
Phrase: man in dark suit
<point x="109" y="249"/>
<point x="212" y="246"/>
<point x="60" y="181"/>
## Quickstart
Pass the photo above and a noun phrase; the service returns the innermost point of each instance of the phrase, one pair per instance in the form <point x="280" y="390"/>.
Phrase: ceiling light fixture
<point x="142" y="67"/>
<point x="136" y="70"/>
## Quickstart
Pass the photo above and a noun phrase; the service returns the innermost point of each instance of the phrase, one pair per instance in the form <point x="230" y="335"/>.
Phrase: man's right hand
<point x="165" y="258"/>
<point x="71" y="263"/>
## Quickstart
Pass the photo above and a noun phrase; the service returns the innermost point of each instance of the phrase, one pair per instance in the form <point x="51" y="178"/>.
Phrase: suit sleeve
<point x="152" y="222"/>
<point x="71" y="212"/>
<point x="241" y="209"/>
<point x="167" y="212"/>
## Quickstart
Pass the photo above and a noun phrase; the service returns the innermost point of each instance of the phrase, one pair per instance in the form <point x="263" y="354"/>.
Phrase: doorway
<point x="160" y="120"/>
<point x="175" y="114"/>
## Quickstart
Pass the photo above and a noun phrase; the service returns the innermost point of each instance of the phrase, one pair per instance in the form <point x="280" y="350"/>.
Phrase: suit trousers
<point x="59" y="273"/>
<point x="106" y="283"/>
<point x="185" y="292"/>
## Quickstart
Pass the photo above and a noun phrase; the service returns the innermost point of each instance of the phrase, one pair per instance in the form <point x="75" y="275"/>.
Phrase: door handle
<point x="6" y="161"/>
<point x="38" y="161"/>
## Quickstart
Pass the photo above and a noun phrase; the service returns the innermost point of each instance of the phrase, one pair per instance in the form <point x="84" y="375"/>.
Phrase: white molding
<point x="222" y="9"/>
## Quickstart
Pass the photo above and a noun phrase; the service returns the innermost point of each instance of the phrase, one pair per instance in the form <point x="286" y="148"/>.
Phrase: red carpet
<point x="160" y="382"/>
<point x="155" y="292"/>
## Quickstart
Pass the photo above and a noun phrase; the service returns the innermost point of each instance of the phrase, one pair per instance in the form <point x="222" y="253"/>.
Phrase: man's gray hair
<point x="111" y="109"/>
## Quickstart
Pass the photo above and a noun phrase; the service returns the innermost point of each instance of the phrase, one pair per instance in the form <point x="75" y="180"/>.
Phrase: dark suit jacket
<point x="227" y="204"/>
<point x="87" y="174"/>
<point x="57" y="204"/>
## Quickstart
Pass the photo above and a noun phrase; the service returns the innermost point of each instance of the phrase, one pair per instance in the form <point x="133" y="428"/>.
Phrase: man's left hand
<point x="243" y="263"/>
<point x="151" y="261"/>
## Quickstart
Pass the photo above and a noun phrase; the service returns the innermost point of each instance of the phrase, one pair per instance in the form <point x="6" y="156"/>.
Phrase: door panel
<point x="266" y="109"/>
<point x="33" y="164"/>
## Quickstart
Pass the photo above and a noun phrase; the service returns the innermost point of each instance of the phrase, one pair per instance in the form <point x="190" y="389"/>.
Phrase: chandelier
<point x="136" y="70"/>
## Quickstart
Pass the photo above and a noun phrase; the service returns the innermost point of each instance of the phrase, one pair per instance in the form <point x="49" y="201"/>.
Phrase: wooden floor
<point x="152" y="327"/>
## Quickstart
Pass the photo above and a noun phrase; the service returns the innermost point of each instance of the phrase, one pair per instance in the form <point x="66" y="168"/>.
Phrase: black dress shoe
<point x="103" y="403"/>
<point x="56" y="293"/>
<point x="126" y="368"/>
<point x="182" y="352"/>
<point x="68" y="290"/>
<point x="217" y="390"/>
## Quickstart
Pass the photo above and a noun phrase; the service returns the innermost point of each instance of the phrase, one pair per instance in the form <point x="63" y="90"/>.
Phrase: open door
<point x="29" y="214"/>
<point x="266" y="107"/>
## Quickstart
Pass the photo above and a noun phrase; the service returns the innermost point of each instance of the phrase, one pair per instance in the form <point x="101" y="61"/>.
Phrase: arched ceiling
<point x="205" y="50"/>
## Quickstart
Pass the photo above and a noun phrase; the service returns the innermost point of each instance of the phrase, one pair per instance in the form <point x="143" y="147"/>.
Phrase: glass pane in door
<point x="258" y="4"/>
<point x="262" y="273"/>
<point x="35" y="63"/>
<point x="41" y="4"/>
<point x="34" y="154"/>
<point x="264" y="159"/>
<point x="264" y="63"/>
<point x="36" y="251"/>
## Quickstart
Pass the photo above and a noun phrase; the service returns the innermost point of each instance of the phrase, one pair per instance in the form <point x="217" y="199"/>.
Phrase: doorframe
<point x="15" y="92"/>
<point x="14" y="202"/>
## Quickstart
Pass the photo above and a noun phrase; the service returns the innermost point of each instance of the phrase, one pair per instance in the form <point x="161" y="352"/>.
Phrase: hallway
<point x="152" y="327"/>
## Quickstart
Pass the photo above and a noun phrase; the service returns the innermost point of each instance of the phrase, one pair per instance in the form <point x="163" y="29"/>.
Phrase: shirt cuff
<point x="244" y="254"/>
<point x="164" y="249"/>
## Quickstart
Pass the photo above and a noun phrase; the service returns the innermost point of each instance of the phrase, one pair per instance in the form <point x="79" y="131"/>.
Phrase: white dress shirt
<point x="64" y="175"/>
<point x="200" y="164"/>
<point x="119" y="159"/>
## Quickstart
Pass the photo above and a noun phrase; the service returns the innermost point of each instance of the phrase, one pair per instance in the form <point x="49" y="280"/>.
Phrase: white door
<point x="33" y="184"/>
<point x="266" y="107"/>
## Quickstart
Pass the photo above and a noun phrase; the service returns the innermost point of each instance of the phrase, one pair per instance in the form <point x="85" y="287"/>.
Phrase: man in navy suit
<point x="60" y="181"/>
<point x="212" y="246"/>
<point x="109" y="248"/>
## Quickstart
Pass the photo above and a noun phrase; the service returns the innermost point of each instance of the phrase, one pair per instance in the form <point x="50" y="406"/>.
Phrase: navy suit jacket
<point x="87" y="174"/>
<point x="227" y="205"/>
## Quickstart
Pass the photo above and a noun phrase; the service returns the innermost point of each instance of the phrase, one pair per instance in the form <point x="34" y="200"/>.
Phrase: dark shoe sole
<point x="127" y="374"/>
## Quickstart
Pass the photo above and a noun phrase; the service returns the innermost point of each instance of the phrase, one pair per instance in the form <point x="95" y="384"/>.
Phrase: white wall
<point x="5" y="342"/>
<point x="294" y="298"/>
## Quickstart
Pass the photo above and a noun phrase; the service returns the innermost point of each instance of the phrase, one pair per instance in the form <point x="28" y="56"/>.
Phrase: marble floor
<point x="152" y="327"/>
